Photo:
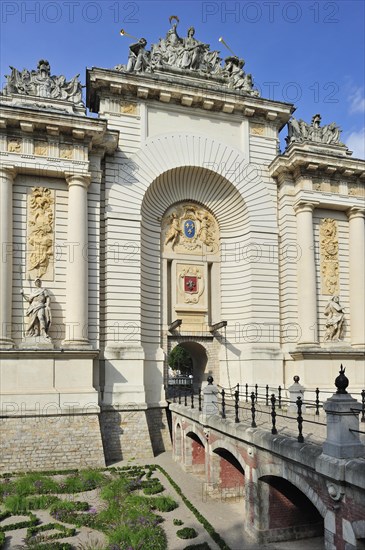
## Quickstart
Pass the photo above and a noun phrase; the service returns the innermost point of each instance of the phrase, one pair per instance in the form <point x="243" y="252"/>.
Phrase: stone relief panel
<point x="40" y="233"/>
<point x="66" y="151"/>
<point x="14" y="145"/>
<point x="189" y="228"/>
<point x="329" y="256"/>
<point x="129" y="108"/>
<point x="356" y="189"/>
<point x="257" y="129"/>
<point x="41" y="148"/>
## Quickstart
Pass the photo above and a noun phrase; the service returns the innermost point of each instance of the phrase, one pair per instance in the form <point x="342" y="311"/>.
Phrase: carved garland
<point x="40" y="238"/>
<point x="329" y="256"/>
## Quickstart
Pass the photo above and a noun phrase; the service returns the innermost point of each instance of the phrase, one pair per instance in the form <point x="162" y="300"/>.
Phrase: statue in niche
<point x="335" y="320"/>
<point x="39" y="311"/>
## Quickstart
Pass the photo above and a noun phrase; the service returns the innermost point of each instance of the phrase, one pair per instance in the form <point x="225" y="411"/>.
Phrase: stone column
<point x="77" y="263"/>
<point x="307" y="288"/>
<point x="357" y="276"/>
<point x="7" y="174"/>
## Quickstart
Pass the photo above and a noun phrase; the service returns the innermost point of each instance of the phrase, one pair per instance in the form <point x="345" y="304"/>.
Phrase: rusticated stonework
<point x="189" y="228"/>
<point x="40" y="238"/>
<point x="329" y="256"/>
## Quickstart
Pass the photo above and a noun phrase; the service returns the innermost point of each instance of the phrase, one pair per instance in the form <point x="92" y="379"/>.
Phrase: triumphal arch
<point x="170" y="219"/>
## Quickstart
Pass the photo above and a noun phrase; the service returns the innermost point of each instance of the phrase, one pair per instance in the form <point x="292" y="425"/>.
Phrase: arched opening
<point x="229" y="475"/>
<point x="194" y="454"/>
<point x="181" y="198"/>
<point x="287" y="514"/>
<point x="188" y="368"/>
<point x="199" y="360"/>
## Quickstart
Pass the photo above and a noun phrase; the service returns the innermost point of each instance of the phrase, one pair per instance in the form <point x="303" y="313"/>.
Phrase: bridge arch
<point x="227" y="471"/>
<point x="195" y="452"/>
<point x="285" y="505"/>
<point x="294" y="507"/>
<point x="216" y="445"/>
<point x="279" y="470"/>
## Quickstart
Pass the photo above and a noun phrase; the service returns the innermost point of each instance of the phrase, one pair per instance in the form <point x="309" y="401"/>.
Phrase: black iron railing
<point x="244" y="402"/>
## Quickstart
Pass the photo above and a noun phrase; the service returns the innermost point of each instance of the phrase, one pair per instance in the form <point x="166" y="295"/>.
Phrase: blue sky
<point x="307" y="52"/>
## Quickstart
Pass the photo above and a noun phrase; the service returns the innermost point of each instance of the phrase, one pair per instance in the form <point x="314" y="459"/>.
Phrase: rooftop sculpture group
<point x="300" y="131"/>
<point x="187" y="55"/>
<point x="41" y="84"/>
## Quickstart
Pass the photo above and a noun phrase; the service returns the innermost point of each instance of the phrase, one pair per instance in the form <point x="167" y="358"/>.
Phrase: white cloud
<point x="357" y="100"/>
<point x="356" y="143"/>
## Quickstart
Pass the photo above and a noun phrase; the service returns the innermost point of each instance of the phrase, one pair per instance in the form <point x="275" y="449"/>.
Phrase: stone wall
<point x="158" y="427"/>
<point x="50" y="443"/>
<point x="134" y="433"/>
<point x="65" y="441"/>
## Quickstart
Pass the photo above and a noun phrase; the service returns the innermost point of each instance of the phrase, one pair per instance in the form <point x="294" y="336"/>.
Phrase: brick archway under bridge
<point x="288" y="490"/>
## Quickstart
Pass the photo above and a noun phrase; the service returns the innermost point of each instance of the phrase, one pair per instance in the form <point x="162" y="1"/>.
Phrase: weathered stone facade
<point x="170" y="218"/>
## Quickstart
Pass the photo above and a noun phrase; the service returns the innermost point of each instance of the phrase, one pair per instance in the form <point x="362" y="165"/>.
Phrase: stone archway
<point x="288" y="513"/>
<point x="205" y="353"/>
<point x="288" y="492"/>
<point x="200" y="360"/>
<point x="176" y="167"/>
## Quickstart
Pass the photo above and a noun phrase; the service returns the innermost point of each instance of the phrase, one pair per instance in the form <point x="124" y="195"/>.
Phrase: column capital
<point x="8" y="171"/>
<point x="355" y="212"/>
<point x="304" y="206"/>
<point x="82" y="180"/>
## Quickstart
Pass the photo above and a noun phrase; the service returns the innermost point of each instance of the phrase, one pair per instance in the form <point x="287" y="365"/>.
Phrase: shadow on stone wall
<point x="159" y="431"/>
<point x="110" y="428"/>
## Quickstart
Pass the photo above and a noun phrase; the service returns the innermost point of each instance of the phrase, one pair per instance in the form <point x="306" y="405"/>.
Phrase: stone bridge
<point x="288" y="490"/>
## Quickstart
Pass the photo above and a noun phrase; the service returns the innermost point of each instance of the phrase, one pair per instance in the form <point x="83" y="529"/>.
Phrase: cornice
<point x="313" y="159"/>
<point x="28" y="121"/>
<point x="184" y="90"/>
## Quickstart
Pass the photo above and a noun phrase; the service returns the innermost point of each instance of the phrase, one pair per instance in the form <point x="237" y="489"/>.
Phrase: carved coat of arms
<point x="191" y="282"/>
<point x="189" y="227"/>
